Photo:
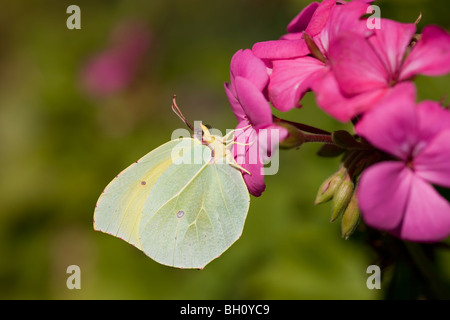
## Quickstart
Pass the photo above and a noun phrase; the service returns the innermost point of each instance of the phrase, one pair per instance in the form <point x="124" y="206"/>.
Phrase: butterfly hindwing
<point x="202" y="216"/>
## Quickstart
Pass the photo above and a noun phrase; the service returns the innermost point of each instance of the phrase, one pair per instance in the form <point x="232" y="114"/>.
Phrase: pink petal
<point x="433" y="163"/>
<point x="390" y="43"/>
<point x="292" y="36"/>
<point x="301" y="21"/>
<point x="348" y="17"/>
<point x="245" y="64"/>
<point x="248" y="157"/>
<point x="330" y="98"/>
<point x="242" y="134"/>
<point x="320" y="17"/>
<point x="235" y="105"/>
<point x="392" y="124"/>
<point x="432" y="119"/>
<point x="344" y="18"/>
<point x="269" y="139"/>
<point x="383" y="192"/>
<point x="255" y="181"/>
<point x="356" y="65"/>
<point x="427" y="215"/>
<point x="280" y="49"/>
<point x="430" y="56"/>
<point x="289" y="81"/>
<point x="253" y="102"/>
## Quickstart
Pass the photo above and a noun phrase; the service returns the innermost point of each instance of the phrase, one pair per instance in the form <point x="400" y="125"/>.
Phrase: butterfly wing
<point x="119" y="209"/>
<point x="194" y="212"/>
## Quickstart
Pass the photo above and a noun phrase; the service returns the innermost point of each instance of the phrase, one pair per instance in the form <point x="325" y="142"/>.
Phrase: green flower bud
<point x="350" y="219"/>
<point x="341" y="198"/>
<point x="328" y="187"/>
<point x="295" y="138"/>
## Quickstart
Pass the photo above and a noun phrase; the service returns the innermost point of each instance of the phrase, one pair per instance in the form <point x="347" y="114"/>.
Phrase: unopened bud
<point x="328" y="187"/>
<point x="330" y="150"/>
<point x="350" y="219"/>
<point x="341" y="198"/>
<point x="295" y="137"/>
<point x="344" y="139"/>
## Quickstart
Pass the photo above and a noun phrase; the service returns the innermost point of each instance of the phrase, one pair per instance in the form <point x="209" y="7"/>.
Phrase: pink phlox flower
<point x="295" y="66"/>
<point x="398" y="195"/>
<point x="365" y="68"/>
<point x="248" y="80"/>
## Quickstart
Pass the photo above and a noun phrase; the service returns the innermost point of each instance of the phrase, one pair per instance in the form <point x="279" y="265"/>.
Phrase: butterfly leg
<point x="232" y="162"/>
<point x="235" y="165"/>
<point x="225" y="137"/>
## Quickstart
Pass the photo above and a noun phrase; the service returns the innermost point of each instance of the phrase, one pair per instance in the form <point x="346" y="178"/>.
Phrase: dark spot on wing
<point x="143" y="183"/>
<point x="180" y="214"/>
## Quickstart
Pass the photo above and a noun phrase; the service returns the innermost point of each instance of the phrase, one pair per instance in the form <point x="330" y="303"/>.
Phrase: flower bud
<point x="328" y="187"/>
<point x="341" y="198"/>
<point x="295" y="137"/>
<point x="344" y="139"/>
<point x="350" y="219"/>
<point x="330" y="150"/>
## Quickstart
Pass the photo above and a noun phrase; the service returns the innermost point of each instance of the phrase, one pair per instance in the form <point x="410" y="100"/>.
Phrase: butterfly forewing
<point x="119" y="209"/>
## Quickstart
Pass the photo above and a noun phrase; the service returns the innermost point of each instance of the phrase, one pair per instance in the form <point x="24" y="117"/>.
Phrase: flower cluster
<point x="363" y="73"/>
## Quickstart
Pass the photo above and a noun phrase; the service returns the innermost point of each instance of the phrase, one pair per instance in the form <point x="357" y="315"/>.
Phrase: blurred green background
<point x="60" y="145"/>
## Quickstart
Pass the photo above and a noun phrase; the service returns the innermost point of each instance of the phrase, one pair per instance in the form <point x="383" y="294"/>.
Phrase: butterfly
<point x="183" y="204"/>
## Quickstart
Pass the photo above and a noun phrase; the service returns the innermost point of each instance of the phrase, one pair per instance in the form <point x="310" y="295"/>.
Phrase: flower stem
<point x="302" y="126"/>
<point x="321" y="138"/>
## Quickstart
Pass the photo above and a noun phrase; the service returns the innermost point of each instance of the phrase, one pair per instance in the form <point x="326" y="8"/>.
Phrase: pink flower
<point x="364" y="68"/>
<point x="249" y="78"/>
<point x="398" y="195"/>
<point x="114" y="68"/>
<point x="294" y="69"/>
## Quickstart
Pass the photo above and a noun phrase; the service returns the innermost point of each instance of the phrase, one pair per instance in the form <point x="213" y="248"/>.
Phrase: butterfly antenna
<point x="178" y="112"/>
